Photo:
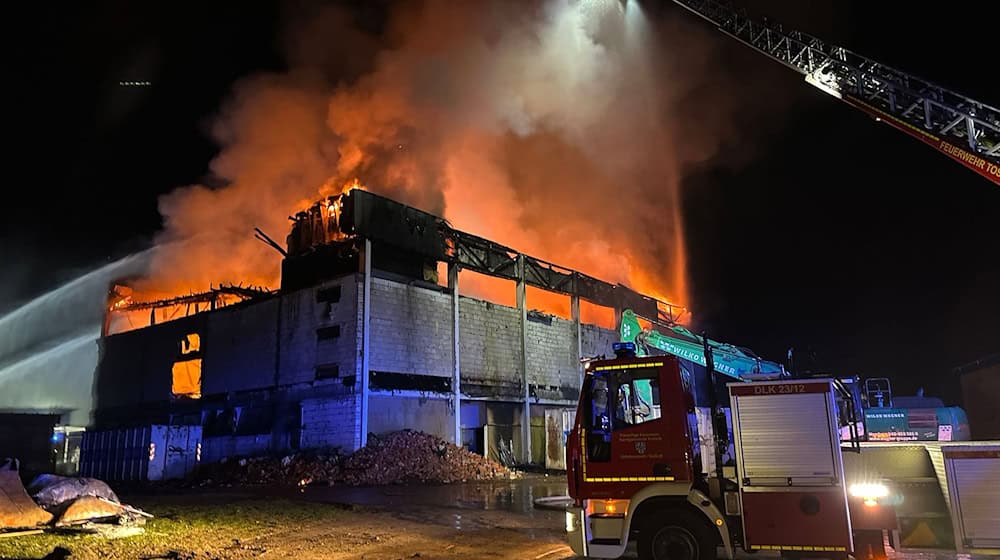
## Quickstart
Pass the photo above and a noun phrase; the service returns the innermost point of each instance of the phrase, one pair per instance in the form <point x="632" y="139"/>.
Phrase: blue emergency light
<point x="624" y="349"/>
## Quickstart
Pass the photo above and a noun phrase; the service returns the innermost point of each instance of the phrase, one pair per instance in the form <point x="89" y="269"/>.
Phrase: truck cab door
<point x="636" y="426"/>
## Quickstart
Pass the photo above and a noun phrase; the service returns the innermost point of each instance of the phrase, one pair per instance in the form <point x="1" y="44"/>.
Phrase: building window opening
<point x="328" y="371"/>
<point x="186" y="372"/>
<point x="186" y="379"/>
<point x="327" y="333"/>
<point x="191" y="344"/>
<point x="328" y="295"/>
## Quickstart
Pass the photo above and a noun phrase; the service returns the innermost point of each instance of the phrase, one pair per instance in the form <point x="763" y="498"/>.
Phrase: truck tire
<point x="676" y="535"/>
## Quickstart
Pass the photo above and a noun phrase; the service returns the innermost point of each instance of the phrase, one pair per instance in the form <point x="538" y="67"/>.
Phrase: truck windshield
<point x="618" y="399"/>
<point x="638" y="401"/>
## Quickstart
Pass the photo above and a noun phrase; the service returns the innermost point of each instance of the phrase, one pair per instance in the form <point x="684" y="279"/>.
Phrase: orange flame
<point x="475" y="131"/>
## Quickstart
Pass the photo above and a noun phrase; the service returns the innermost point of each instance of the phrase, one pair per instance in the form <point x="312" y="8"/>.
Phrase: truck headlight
<point x="870" y="492"/>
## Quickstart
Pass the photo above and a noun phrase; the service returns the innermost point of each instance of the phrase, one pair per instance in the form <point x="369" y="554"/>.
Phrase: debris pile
<point x="396" y="458"/>
<point x="417" y="457"/>
<point x="298" y="469"/>
<point x="83" y="504"/>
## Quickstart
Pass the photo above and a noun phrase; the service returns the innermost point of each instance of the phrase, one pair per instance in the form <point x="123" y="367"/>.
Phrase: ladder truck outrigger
<point x="689" y="451"/>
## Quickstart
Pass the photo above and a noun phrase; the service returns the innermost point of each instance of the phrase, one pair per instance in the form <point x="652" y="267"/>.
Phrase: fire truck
<point x="761" y="468"/>
<point x="881" y="418"/>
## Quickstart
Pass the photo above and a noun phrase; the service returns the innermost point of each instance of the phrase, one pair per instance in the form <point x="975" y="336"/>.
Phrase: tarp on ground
<point x="16" y="507"/>
<point x="51" y="491"/>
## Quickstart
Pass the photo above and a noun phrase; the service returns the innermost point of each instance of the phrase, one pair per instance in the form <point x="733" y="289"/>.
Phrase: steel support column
<point x="366" y="340"/>
<point x="574" y="310"/>
<point x="456" y="380"/>
<point x="526" y="413"/>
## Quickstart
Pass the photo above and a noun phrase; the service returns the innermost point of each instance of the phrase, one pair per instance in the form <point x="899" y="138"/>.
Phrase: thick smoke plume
<point x="561" y="128"/>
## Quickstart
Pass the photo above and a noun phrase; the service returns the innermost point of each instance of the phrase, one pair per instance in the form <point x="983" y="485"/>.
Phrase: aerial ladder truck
<point x="705" y="446"/>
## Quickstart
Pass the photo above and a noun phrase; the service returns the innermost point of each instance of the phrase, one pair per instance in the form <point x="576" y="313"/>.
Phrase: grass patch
<point x="188" y="528"/>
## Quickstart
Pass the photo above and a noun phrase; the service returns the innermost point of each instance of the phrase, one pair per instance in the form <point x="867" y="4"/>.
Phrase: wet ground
<point x="462" y="506"/>
<point x="467" y="520"/>
<point x="504" y="505"/>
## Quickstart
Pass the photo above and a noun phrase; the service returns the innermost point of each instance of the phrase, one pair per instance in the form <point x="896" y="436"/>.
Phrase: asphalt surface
<point x="506" y="505"/>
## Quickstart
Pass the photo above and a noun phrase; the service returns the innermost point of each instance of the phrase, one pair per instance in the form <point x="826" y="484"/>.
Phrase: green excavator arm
<point x="729" y="360"/>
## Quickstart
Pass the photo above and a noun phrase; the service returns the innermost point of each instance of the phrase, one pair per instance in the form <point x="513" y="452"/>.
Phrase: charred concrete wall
<point x="411" y="329"/>
<point x="425" y="413"/>
<point x="135" y="366"/>
<point x="489" y="349"/>
<point x="287" y="372"/>
<point x="553" y="366"/>
<point x="318" y="332"/>
<point x="331" y="422"/>
<point x="216" y="448"/>
<point x="240" y="348"/>
<point x="597" y="341"/>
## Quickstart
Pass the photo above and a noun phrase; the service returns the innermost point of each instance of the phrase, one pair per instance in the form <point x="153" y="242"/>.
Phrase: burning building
<point x="365" y="335"/>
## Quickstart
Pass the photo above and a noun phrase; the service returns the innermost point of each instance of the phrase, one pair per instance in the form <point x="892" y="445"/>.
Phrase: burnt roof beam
<point x="371" y="216"/>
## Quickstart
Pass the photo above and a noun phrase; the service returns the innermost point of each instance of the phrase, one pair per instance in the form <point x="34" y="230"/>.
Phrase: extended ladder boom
<point x="962" y="128"/>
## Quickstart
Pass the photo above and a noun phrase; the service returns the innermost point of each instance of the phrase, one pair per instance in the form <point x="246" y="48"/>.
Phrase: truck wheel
<point x="676" y="535"/>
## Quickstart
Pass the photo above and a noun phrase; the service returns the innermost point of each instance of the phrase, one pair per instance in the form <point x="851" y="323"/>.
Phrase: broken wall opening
<point x="551" y="303"/>
<point x="487" y="288"/>
<point x="599" y="315"/>
<point x="185" y="375"/>
<point x="186" y="379"/>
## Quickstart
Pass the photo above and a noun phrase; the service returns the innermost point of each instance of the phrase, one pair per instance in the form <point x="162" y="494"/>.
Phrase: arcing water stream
<point x="48" y="350"/>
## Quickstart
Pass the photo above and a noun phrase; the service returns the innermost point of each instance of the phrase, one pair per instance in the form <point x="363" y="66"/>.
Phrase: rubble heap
<point x="417" y="457"/>
<point x="297" y="469"/>
<point x="396" y="458"/>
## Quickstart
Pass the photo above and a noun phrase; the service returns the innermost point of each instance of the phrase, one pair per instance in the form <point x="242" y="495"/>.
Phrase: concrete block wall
<point x="301" y="315"/>
<point x="345" y="349"/>
<point x="215" y="448"/>
<point x="297" y="338"/>
<point x="489" y="342"/>
<point x="331" y="422"/>
<point x="411" y="333"/>
<point x="597" y="341"/>
<point x="551" y="350"/>
<point x="239" y="347"/>
<point x="410" y="329"/>
<point x="390" y="413"/>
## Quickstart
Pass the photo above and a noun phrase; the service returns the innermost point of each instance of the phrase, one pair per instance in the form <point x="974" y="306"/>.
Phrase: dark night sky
<point x="840" y="234"/>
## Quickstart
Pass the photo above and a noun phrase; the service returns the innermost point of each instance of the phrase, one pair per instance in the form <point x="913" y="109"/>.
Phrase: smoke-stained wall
<point x="597" y="341"/>
<point x="318" y="332"/>
<point x="284" y="372"/>
<point x="553" y="366"/>
<point x="135" y="366"/>
<point x="411" y="329"/>
<point x="241" y="347"/>
<point x="490" y="349"/>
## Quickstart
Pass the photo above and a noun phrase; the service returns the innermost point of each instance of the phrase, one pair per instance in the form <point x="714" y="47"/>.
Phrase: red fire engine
<point x="643" y="467"/>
